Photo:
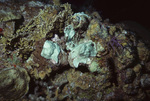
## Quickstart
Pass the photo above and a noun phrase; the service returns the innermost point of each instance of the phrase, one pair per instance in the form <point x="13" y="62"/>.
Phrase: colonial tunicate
<point x="69" y="32"/>
<point x="82" y="53"/>
<point x="80" y="20"/>
<point x="50" y="50"/>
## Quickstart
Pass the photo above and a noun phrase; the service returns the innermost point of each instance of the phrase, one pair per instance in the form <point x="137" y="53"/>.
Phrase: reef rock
<point x="14" y="83"/>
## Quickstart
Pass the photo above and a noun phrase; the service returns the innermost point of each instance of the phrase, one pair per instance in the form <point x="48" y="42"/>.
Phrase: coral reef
<point x="14" y="83"/>
<point x="50" y="53"/>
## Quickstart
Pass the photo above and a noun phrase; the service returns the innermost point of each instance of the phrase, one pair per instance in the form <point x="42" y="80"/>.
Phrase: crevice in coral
<point x="59" y="71"/>
<point x="31" y="86"/>
<point x="18" y="23"/>
<point x="83" y="69"/>
<point x="11" y="46"/>
<point x="62" y="87"/>
<point x="113" y="71"/>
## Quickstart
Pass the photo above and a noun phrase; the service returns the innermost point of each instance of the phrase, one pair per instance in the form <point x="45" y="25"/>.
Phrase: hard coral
<point x="38" y="66"/>
<point x="14" y="83"/>
<point x="54" y="40"/>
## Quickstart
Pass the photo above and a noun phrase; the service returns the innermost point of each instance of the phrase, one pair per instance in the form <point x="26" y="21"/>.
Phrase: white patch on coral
<point x="50" y="51"/>
<point x="56" y="38"/>
<point x="81" y="19"/>
<point x="82" y="53"/>
<point x="69" y="32"/>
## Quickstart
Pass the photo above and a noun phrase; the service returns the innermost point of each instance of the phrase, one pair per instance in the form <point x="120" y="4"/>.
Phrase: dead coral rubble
<point x="70" y="56"/>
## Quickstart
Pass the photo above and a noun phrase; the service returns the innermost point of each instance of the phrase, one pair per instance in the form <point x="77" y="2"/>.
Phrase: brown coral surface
<point x="69" y="56"/>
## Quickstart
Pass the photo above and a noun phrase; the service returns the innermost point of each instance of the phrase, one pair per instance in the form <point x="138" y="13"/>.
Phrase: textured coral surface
<point x="48" y="52"/>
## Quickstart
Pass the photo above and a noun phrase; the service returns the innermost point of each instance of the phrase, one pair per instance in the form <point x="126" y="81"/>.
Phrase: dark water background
<point x="134" y="13"/>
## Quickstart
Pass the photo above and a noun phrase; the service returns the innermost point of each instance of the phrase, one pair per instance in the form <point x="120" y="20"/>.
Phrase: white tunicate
<point x="70" y="45"/>
<point x="56" y="38"/>
<point x="87" y="50"/>
<point x="50" y="50"/>
<point x="78" y="60"/>
<point x="82" y="53"/>
<point x="80" y="20"/>
<point x="69" y="32"/>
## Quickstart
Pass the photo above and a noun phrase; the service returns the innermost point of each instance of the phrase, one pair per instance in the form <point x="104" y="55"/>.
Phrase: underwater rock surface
<point x="14" y="83"/>
<point x="50" y="53"/>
